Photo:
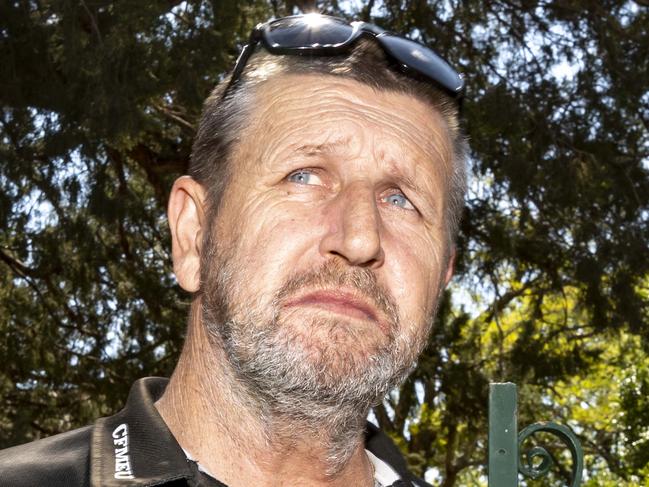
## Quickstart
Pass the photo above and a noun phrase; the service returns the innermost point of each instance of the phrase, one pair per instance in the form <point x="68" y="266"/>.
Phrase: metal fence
<point x="507" y="455"/>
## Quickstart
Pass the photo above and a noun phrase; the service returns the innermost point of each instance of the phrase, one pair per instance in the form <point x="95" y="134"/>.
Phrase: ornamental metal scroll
<point x="534" y="470"/>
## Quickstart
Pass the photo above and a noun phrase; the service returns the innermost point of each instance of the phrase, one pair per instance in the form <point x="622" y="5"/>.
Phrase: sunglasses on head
<point x="315" y="34"/>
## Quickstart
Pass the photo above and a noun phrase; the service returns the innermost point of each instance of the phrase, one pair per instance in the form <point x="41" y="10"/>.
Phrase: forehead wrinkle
<point x="286" y="137"/>
<point x="281" y="145"/>
<point x="328" y="105"/>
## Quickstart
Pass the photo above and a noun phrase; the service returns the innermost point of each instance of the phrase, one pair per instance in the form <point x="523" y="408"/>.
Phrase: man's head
<point x="320" y="256"/>
<point x="231" y="105"/>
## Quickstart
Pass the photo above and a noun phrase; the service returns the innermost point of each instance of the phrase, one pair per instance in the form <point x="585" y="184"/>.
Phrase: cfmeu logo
<point x="122" y="459"/>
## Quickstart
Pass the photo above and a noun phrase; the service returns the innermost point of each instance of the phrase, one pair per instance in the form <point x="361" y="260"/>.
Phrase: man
<point x="315" y="232"/>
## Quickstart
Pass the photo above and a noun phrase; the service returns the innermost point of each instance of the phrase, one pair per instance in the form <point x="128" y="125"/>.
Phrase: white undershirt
<point x="384" y="475"/>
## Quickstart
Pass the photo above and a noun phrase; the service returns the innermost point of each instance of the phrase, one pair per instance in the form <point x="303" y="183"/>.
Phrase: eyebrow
<point x="409" y="181"/>
<point x="326" y="148"/>
<point x="405" y="177"/>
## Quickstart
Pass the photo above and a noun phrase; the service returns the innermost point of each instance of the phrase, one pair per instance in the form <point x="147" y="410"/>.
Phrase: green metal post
<point x="503" y="435"/>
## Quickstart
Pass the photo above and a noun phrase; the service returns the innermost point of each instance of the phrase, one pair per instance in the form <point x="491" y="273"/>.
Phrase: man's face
<point x="330" y="244"/>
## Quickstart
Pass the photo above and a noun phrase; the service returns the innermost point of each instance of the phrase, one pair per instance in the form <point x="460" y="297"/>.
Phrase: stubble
<point x="309" y="374"/>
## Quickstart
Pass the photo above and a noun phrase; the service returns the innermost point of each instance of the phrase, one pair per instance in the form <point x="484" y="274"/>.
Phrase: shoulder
<point x="60" y="460"/>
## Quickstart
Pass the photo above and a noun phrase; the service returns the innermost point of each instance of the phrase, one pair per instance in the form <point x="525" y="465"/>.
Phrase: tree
<point x="100" y="100"/>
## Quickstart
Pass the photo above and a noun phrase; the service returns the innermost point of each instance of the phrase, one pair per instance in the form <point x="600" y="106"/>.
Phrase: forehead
<point x="315" y="112"/>
<point x="316" y="102"/>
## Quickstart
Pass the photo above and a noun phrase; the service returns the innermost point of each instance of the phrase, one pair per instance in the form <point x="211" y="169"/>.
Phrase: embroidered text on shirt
<point x="122" y="458"/>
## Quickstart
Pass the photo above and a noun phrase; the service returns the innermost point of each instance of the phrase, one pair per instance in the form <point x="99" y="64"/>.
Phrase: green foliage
<point x="99" y="102"/>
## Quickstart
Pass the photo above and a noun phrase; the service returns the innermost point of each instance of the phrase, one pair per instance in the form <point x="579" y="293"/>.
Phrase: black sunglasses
<point x="315" y="34"/>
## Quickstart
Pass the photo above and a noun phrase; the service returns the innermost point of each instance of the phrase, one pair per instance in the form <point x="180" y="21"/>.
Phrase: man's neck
<point x="236" y="439"/>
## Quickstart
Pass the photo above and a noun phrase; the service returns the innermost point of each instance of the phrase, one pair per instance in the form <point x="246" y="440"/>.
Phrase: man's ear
<point x="450" y="267"/>
<point x="187" y="223"/>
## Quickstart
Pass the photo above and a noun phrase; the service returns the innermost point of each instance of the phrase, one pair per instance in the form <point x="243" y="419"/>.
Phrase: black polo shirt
<point x="135" y="448"/>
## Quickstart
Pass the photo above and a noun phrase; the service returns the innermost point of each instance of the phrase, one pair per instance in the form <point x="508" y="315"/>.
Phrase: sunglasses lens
<point x="424" y="61"/>
<point x="307" y="31"/>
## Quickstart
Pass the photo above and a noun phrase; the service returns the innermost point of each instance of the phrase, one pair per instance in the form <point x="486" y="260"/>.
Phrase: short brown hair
<point x="224" y="118"/>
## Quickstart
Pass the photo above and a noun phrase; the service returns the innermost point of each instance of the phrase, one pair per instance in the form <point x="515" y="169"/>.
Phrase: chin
<point x="346" y="339"/>
<point x="302" y="361"/>
<point x="332" y="351"/>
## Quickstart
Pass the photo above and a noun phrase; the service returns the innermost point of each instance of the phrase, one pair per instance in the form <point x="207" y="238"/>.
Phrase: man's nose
<point x="354" y="227"/>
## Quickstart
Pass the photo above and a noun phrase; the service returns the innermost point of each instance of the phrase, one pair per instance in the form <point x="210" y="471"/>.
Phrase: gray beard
<point x="298" y="388"/>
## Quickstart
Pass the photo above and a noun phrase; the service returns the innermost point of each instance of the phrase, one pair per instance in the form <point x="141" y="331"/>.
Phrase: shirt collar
<point x="135" y="447"/>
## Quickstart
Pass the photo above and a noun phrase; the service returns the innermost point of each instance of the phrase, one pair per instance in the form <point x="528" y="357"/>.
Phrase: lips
<point x="340" y="302"/>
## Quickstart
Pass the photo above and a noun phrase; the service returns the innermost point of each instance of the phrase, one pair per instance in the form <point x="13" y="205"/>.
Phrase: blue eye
<point x="399" y="200"/>
<point x="304" y="177"/>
